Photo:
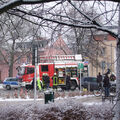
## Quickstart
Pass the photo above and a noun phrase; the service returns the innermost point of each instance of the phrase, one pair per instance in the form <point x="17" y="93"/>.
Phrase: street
<point x="18" y="95"/>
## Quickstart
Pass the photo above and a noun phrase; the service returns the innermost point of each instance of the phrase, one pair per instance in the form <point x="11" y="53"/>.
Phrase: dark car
<point x="90" y="83"/>
<point x="11" y="82"/>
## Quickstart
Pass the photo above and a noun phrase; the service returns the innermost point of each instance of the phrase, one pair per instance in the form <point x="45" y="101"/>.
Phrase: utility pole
<point x="34" y="62"/>
<point x="111" y="56"/>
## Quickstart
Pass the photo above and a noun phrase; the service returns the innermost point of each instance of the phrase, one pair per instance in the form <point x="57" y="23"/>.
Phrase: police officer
<point x="55" y="81"/>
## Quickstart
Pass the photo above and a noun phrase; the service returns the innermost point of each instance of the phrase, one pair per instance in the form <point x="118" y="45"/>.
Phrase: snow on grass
<point x="1" y="86"/>
<point x="67" y="106"/>
<point x="65" y="110"/>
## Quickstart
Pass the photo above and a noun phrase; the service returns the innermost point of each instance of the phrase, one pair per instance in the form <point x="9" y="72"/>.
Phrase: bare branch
<point x="14" y="3"/>
<point x="71" y="24"/>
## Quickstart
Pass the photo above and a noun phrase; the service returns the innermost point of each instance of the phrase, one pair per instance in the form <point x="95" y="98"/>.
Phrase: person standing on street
<point x="39" y="84"/>
<point x="106" y="85"/>
<point x="46" y="81"/>
<point x="68" y="82"/>
<point x="99" y="79"/>
<point x="55" y="81"/>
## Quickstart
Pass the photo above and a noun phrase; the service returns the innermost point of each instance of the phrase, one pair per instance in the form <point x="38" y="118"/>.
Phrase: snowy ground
<point x="66" y="106"/>
<point x="1" y="86"/>
<point x="69" y="108"/>
<point x="59" y="96"/>
<point x="14" y="96"/>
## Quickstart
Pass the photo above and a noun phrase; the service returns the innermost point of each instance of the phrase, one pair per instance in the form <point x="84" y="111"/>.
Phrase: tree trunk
<point x="117" y="107"/>
<point x="11" y="63"/>
<point x="11" y="70"/>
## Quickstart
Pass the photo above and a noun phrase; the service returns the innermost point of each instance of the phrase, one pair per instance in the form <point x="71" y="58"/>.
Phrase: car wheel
<point x="8" y="87"/>
<point x="73" y="85"/>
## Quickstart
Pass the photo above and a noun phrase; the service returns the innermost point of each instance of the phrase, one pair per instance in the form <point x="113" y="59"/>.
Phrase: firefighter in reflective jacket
<point x="55" y="81"/>
<point x="39" y="84"/>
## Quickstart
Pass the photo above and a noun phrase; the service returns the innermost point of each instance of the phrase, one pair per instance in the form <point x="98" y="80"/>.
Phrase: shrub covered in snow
<point x="67" y="110"/>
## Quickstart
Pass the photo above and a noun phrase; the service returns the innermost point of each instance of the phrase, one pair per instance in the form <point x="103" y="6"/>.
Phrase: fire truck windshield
<point x="21" y="70"/>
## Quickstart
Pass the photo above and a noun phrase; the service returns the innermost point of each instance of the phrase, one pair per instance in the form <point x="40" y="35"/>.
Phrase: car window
<point x="90" y="79"/>
<point x="93" y="80"/>
<point x="8" y="79"/>
<point x="30" y="70"/>
<point x="12" y="79"/>
<point x="86" y="79"/>
<point x="44" y="68"/>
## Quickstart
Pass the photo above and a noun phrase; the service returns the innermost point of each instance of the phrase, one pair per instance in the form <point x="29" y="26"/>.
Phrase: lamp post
<point x="34" y="62"/>
<point x="80" y="67"/>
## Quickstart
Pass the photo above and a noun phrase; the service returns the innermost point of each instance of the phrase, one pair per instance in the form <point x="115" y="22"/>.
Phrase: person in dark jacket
<point x="106" y="85"/>
<point x="68" y="82"/>
<point x="99" y="79"/>
<point x="46" y="81"/>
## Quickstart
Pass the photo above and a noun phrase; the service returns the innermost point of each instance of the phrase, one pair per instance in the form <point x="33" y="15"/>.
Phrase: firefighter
<point x="68" y="82"/>
<point x="46" y="81"/>
<point x="55" y="81"/>
<point x="39" y="84"/>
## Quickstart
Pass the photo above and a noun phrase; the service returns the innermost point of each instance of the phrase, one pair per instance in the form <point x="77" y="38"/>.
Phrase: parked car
<point x="11" y="82"/>
<point x="89" y="83"/>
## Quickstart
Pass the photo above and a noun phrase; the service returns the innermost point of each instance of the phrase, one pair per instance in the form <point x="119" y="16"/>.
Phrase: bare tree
<point x="12" y="31"/>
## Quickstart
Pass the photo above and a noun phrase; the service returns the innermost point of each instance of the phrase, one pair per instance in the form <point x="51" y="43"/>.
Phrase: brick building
<point x="59" y="47"/>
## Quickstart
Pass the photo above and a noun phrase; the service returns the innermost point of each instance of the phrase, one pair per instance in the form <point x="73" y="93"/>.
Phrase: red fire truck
<point x="60" y="67"/>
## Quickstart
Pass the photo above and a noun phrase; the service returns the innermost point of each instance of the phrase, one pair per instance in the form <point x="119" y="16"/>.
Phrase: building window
<point x="108" y="65"/>
<point x="105" y="37"/>
<point x="19" y="60"/>
<point x="28" y="59"/>
<point x="103" y="51"/>
<point x="103" y="64"/>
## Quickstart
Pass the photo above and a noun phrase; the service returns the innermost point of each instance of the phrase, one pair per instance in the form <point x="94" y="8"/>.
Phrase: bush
<point x="67" y="110"/>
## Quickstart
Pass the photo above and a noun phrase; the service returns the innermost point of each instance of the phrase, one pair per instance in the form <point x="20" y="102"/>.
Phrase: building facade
<point x="107" y="58"/>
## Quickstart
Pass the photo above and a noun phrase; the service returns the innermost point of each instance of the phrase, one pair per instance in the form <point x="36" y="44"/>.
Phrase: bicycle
<point x="98" y="92"/>
<point x="101" y="92"/>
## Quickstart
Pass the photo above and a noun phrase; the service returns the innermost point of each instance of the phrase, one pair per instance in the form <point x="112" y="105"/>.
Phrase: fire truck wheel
<point x="73" y="85"/>
<point x="27" y="87"/>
